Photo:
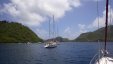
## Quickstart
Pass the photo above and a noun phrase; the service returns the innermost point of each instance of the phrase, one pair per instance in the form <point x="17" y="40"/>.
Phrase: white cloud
<point x="70" y="33"/>
<point x="82" y="28"/>
<point x="34" y="12"/>
<point x="98" y="22"/>
<point x="101" y="22"/>
<point x="102" y="19"/>
<point x="42" y="33"/>
<point x="67" y="30"/>
<point x="92" y="0"/>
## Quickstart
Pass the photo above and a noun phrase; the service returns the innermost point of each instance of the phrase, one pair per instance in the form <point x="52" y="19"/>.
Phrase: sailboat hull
<point x="105" y="60"/>
<point x="51" y="45"/>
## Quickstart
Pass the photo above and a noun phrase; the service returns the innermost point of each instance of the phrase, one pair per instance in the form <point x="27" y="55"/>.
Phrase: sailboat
<point x="52" y="43"/>
<point x="104" y="56"/>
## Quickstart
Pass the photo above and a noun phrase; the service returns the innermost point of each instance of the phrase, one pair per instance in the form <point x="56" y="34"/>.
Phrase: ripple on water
<point x="65" y="53"/>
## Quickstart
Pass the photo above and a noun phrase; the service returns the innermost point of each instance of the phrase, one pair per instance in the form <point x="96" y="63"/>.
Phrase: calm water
<point x="65" y="53"/>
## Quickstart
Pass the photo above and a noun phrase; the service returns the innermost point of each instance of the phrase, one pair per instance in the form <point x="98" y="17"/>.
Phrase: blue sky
<point x="72" y="17"/>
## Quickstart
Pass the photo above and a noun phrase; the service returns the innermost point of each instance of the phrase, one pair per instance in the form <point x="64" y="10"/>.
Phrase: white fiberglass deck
<point x="105" y="60"/>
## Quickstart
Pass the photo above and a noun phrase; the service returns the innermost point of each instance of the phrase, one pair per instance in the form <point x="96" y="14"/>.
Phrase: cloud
<point x="67" y="30"/>
<point x="82" y="28"/>
<point x="42" y="33"/>
<point x="70" y="33"/>
<point x="98" y="22"/>
<point x="102" y="19"/>
<point x="34" y="12"/>
<point x="92" y="0"/>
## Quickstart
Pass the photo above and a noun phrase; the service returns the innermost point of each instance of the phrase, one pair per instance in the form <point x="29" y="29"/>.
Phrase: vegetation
<point x="96" y="35"/>
<point x="60" y="39"/>
<point x="16" y="32"/>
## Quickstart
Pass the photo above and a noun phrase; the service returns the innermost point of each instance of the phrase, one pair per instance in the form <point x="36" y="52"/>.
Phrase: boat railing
<point x="94" y="59"/>
<point x="99" y="55"/>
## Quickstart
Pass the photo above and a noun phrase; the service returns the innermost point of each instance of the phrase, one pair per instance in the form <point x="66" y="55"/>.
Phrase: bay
<point x="65" y="53"/>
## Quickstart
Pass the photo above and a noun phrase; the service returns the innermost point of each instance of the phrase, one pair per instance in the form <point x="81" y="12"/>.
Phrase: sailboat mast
<point x="49" y="29"/>
<point x="106" y="25"/>
<point x="54" y="31"/>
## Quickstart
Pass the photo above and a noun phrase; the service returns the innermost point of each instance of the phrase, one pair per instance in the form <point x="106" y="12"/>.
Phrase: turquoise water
<point x="65" y="53"/>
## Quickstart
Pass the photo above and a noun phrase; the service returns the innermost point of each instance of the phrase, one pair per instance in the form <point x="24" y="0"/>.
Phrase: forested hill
<point x="60" y="39"/>
<point x="12" y="32"/>
<point x="96" y="35"/>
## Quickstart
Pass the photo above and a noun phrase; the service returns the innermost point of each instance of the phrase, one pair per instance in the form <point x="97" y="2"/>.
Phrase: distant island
<point x="96" y="35"/>
<point x="60" y="39"/>
<point x="12" y="32"/>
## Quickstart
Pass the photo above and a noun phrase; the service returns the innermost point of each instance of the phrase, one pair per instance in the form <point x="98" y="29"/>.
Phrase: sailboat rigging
<point x="105" y="58"/>
<point x="51" y="43"/>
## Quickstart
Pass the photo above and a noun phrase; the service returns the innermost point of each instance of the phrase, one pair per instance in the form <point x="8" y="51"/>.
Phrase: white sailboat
<point x="51" y="43"/>
<point x="103" y="56"/>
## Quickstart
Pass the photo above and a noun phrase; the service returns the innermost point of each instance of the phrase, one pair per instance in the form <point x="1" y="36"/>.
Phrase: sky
<point x="72" y="17"/>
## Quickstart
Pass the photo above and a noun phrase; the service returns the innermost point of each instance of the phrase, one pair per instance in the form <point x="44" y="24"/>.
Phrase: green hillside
<point x="60" y="39"/>
<point x="96" y="35"/>
<point x="12" y="32"/>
